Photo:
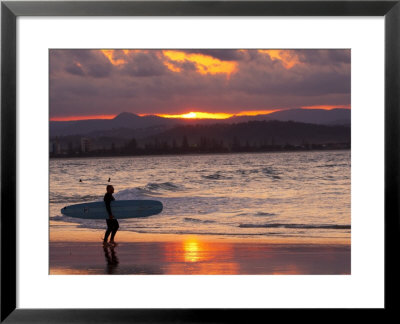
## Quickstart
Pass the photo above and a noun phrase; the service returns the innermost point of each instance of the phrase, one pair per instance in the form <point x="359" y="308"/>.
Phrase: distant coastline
<point x="252" y="136"/>
<point x="196" y="151"/>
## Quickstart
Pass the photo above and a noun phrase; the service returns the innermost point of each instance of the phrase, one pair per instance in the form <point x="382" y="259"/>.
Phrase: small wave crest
<point x="216" y="176"/>
<point x="270" y="172"/>
<point x="302" y="226"/>
<point x="133" y="193"/>
<point x="334" y="165"/>
<point x="257" y="214"/>
<point x="264" y="214"/>
<point x="149" y="190"/>
<point x="167" y="186"/>
<point x="196" y="220"/>
<point x="58" y="198"/>
<point x="247" y="171"/>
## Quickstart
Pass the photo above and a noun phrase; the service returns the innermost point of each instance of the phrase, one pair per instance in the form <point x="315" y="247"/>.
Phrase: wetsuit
<point x="112" y="223"/>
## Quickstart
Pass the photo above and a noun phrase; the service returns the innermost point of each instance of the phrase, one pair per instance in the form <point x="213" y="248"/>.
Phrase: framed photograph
<point x="190" y="160"/>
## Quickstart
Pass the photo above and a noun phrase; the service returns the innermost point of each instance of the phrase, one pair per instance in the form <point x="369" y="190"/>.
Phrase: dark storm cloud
<point x="85" y="82"/>
<point x="276" y="81"/>
<point x="74" y="69"/>
<point x="325" y="56"/>
<point x="98" y="70"/>
<point x="81" y="62"/>
<point x="144" y="65"/>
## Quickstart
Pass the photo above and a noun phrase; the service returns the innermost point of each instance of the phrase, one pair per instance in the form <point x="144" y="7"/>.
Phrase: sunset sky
<point x="184" y="83"/>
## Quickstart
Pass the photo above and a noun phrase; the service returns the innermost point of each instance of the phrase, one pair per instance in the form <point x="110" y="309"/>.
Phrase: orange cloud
<point x="120" y="60"/>
<point x="205" y="64"/>
<point x="288" y="58"/>
<point x="172" y="67"/>
<point x="326" y="107"/>
<point x="114" y="61"/>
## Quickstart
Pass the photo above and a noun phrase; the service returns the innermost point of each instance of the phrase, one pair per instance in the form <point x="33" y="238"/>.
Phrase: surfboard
<point x="120" y="208"/>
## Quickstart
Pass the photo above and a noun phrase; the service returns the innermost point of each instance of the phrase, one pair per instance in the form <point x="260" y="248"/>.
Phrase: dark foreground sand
<point x="193" y="256"/>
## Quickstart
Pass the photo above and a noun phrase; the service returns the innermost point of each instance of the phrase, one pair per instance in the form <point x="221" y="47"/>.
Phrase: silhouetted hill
<point x="142" y="126"/>
<point x="311" y="116"/>
<point x="101" y="126"/>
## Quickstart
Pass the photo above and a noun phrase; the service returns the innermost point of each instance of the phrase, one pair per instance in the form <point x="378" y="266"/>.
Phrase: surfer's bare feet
<point x="105" y="243"/>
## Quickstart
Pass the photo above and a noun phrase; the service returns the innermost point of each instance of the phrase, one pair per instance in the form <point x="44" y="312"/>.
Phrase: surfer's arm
<point x="108" y="207"/>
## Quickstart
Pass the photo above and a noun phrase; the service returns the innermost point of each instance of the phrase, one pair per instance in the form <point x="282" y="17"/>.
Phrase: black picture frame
<point x="10" y="10"/>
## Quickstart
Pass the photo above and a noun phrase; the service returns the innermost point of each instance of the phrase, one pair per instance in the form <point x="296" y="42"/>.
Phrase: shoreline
<point x="191" y="154"/>
<point x="92" y="236"/>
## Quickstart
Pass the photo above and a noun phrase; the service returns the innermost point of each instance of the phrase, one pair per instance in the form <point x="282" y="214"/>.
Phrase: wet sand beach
<point x="178" y="255"/>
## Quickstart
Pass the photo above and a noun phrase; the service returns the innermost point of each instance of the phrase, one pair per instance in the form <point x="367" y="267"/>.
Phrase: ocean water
<point x="286" y="194"/>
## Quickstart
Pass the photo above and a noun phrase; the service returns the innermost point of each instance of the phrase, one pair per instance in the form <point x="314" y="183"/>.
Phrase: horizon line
<point x="199" y="115"/>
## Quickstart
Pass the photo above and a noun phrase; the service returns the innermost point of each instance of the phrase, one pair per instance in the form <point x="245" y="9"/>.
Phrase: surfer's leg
<point x="114" y="229"/>
<point x="109" y="230"/>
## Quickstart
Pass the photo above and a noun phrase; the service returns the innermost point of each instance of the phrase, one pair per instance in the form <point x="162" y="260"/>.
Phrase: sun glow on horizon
<point x="198" y="115"/>
<point x="202" y="115"/>
<point x="73" y="118"/>
<point x="209" y="115"/>
<point x="257" y="112"/>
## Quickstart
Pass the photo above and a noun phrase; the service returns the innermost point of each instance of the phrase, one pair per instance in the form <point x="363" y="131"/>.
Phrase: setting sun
<point x="190" y="115"/>
<point x="199" y="115"/>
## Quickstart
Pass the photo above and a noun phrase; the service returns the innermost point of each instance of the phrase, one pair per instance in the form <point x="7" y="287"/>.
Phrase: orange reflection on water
<point x="192" y="251"/>
<point x="193" y="256"/>
<point x="68" y="271"/>
<point x="290" y="269"/>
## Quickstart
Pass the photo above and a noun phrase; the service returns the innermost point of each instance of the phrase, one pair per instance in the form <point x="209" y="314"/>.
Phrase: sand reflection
<point x="193" y="256"/>
<point x="111" y="258"/>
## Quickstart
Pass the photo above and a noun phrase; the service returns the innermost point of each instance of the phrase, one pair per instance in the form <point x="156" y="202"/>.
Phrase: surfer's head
<point x="110" y="189"/>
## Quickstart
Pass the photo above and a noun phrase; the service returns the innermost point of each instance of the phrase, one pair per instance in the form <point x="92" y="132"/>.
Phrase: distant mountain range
<point x="310" y="116"/>
<point x="128" y="125"/>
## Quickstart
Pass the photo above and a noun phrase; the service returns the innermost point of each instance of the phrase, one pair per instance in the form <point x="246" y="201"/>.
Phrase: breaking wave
<point x="150" y="190"/>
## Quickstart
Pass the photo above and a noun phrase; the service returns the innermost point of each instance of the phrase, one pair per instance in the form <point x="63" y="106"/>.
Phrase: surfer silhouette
<point x="112" y="223"/>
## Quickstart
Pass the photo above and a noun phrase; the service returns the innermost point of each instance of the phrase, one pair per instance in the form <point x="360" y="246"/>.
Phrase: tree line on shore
<point x="204" y="145"/>
<point x="254" y="136"/>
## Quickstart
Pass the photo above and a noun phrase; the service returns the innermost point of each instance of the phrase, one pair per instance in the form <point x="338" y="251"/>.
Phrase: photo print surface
<point x="200" y="161"/>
